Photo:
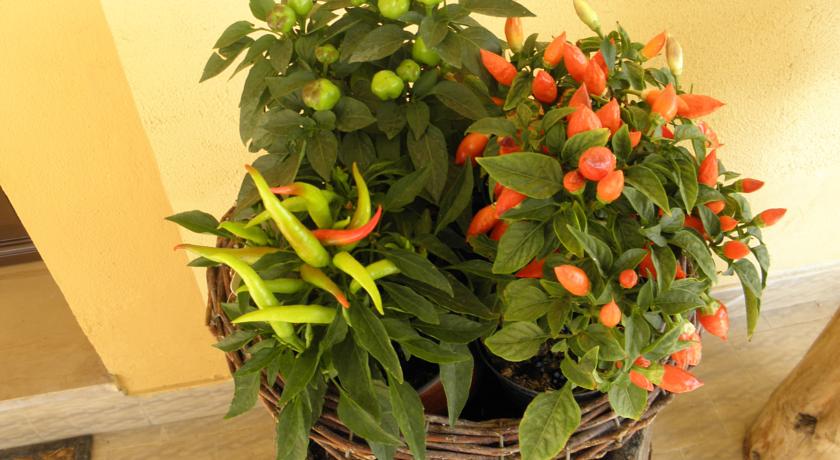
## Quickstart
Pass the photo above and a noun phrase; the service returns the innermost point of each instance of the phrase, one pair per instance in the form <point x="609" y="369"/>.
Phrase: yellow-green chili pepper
<point x="377" y="270"/>
<point x="279" y="286"/>
<point x="308" y="314"/>
<point x="240" y="229"/>
<point x="307" y="247"/>
<point x="320" y="280"/>
<point x="261" y="294"/>
<point x="249" y="255"/>
<point x="293" y="204"/>
<point x="348" y="264"/>
<point x="362" y="214"/>
<point x="317" y="204"/>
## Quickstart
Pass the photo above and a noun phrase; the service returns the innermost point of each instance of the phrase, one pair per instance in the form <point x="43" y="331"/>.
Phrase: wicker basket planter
<point x="600" y="431"/>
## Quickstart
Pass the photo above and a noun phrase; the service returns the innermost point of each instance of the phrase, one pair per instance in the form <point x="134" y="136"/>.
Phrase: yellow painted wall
<point x="71" y="113"/>
<point x="77" y="166"/>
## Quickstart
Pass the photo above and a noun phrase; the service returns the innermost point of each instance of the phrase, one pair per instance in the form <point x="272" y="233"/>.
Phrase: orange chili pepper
<point x="573" y="279"/>
<point x="534" y="269"/>
<point x="583" y="119"/>
<point x="610" y="115"/>
<point x="472" y="147"/>
<point x="595" y="79"/>
<point x="483" y="221"/>
<point x="610" y="187"/>
<point x="708" y="172"/>
<point x="666" y="104"/>
<point x="503" y="71"/>
<point x="654" y="46"/>
<point x="610" y="314"/>
<point x="695" y="105"/>
<point x="574" y="182"/>
<point x="554" y="51"/>
<point x="544" y="88"/>
<point x="575" y="62"/>
<point x="596" y="162"/>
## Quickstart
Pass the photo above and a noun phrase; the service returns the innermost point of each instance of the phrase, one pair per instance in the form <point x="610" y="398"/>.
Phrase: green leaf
<point x="635" y="74"/>
<point x="636" y="335"/>
<point x="235" y="341"/>
<point x="664" y="345"/>
<point x="450" y="50"/>
<point x="749" y="276"/>
<point x="532" y="174"/>
<point x="629" y="259"/>
<point x="519" y="245"/>
<point x="223" y="58"/>
<point x="432" y="352"/>
<point x="647" y="182"/>
<point x="555" y="116"/>
<point x="519" y="91"/>
<point x="580" y="142"/>
<point x="408" y="410"/>
<point x="609" y="348"/>
<point x="675" y="301"/>
<point x="302" y="373"/>
<point x="457" y="380"/>
<point x="390" y="118"/>
<point x="429" y="150"/>
<point x="516" y="341"/>
<point x="621" y="144"/>
<point x="361" y="422"/>
<point x="597" y="250"/>
<point x="562" y="223"/>
<point x="371" y="335"/>
<point x="352" y="364"/>
<point x="498" y="8"/>
<point x="405" y="190"/>
<point x="411" y="302"/>
<point x="281" y="87"/>
<point x="246" y="388"/>
<point x="433" y="29"/>
<point x="322" y="152"/>
<point x="697" y="249"/>
<point x="753" y="306"/>
<point x="281" y="55"/>
<point x="549" y="421"/>
<point x="711" y="222"/>
<point x="292" y="432"/>
<point x="381" y="42"/>
<point x="525" y="301"/>
<point x="456" y="329"/>
<point x="665" y="264"/>
<point x="197" y="221"/>
<point x="457" y="198"/>
<point x="418" y="268"/>
<point x="233" y="33"/>
<point x="626" y="399"/>
<point x="640" y="203"/>
<point x="357" y="147"/>
<point x="261" y="8"/>
<point x="686" y="174"/>
<point x="352" y="114"/>
<point x="498" y="126"/>
<point x="417" y="114"/>
<point x="581" y="374"/>
<point x="460" y="99"/>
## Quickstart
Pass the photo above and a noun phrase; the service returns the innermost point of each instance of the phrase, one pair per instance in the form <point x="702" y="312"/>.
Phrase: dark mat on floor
<point x="65" y="449"/>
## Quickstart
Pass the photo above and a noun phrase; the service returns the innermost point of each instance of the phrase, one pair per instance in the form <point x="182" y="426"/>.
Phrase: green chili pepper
<point x="307" y="247"/>
<point x="249" y="255"/>
<point x="261" y="294"/>
<point x="279" y="286"/>
<point x="293" y="204"/>
<point x="308" y="314"/>
<point x="343" y="223"/>
<point x="348" y="264"/>
<point x="362" y="214"/>
<point x="242" y="230"/>
<point x="317" y="204"/>
<point x="320" y="280"/>
<point x="377" y="270"/>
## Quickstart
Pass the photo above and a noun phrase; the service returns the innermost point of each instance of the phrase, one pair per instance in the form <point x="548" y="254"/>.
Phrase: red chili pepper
<point x="638" y="379"/>
<point x="610" y="187"/>
<point x="599" y="59"/>
<point x="514" y="34"/>
<point x="503" y="71"/>
<point x="727" y="224"/>
<point x="610" y="314"/>
<point x="628" y="278"/>
<point x="483" y="221"/>
<point x="717" y="322"/>
<point x="711" y="136"/>
<point x="654" y="46"/>
<point x="676" y="380"/>
<point x="554" y="51"/>
<point x="666" y="104"/>
<point x="716" y="206"/>
<point x="595" y="79"/>
<point x="534" y="269"/>
<point x="695" y="223"/>
<point x="708" y="172"/>
<point x="666" y="132"/>
<point x="472" y="147"/>
<point x="573" y="279"/>
<point x="508" y="199"/>
<point x="582" y="120"/>
<point x="573" y="182"/>
<point x="696" y="106"/>
<point x="507" y="145"/>
<point x="596" y="162"/>
<point x="497" y="101"/>
<point x="499" y="230"/>
<point x="497" y="190"/>
<point x="610" y="116"/>
<point x="646" y="267"/>
<point x="575" y="62"/>
<point x="635" y="138"/>
<point x="689" y="356"/>
<point x="769" y="217"/>
<point x="343" y="237"/>
<point x="735" y="250"/>
<point x="544" y="88"/>
<point x="748" y="185"/>
<point x="580" y="99"/>
<point x="680" y="273"/>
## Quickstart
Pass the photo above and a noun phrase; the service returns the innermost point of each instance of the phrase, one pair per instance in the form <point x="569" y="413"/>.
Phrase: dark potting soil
<point x="540" y="373"/>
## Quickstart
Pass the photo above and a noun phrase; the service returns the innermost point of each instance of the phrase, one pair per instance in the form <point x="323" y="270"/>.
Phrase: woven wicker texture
<point x="600" y="431"/>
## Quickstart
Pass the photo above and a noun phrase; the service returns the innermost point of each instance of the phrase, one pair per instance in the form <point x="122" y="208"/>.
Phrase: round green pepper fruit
<point x="393" y="9"/>
<point x="429" y="2"/>
<point x="281" y="19"/>
<point x="387" y="85"/>
<point x="326" y="54"/>
<point x="408" y="70"/>
<point x="421" y="53"/>
<point x="301" y="7"/>
<point x="321" y="94"/>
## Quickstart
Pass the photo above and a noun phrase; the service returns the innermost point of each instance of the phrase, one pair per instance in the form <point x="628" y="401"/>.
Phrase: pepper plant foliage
<point x="615" y="175"/>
